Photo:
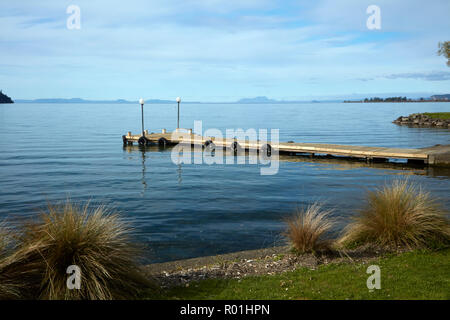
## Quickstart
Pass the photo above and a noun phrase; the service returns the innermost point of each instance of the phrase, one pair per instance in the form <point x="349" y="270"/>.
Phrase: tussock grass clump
<point x="4" y="239"/>
<point x="307" y="229"/>
<point x="400" y="214"/>
<point x="9" y="286"/>
<point x="94" y="240"/>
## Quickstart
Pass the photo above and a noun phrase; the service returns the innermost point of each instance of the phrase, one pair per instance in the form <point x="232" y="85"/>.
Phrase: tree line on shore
<point x="390" y="99"/>
<point x="435" y="98"/>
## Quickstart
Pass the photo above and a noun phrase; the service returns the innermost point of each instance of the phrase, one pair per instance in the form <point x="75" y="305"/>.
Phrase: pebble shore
<point x="240" y="265"/>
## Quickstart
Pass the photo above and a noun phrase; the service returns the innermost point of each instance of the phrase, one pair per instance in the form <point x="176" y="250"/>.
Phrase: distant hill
<point x="441" y="97"/>
<point x="257" y="100"/>
<point x="4" y="98"/>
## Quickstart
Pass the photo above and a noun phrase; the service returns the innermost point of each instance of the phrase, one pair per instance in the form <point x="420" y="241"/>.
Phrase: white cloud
<point x="429" y="76"/>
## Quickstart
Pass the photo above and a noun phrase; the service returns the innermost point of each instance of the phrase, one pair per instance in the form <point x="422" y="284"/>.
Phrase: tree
<point x="444" y="50"/>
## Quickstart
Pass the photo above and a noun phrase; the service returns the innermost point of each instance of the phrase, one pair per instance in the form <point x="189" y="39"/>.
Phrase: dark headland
<point x="4" y="98"/>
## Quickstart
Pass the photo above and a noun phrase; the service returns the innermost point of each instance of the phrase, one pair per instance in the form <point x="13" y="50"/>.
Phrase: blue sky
<point x="212" y="50"/>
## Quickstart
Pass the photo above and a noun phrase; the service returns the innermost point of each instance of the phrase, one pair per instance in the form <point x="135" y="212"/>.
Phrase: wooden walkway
<point x="437" y="155"/>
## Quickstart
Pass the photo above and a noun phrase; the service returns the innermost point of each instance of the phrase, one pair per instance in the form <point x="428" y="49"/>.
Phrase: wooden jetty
<point x="438" y="155"/>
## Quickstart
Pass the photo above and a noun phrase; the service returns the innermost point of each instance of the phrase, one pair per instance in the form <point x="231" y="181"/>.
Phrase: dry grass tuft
<point x="307" y="229"/>
<point x="9" y="286"/>
<point x="94" y="240"/>
<point x="399" y="215"/>
<point x="4" y="239"/>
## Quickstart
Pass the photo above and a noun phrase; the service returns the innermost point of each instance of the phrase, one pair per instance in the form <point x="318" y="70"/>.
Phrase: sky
<point x="213" y="50"/>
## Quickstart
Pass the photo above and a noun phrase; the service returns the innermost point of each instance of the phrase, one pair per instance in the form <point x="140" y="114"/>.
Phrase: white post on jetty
<point x="178" y="121"/>
<point x="141" y="101"/>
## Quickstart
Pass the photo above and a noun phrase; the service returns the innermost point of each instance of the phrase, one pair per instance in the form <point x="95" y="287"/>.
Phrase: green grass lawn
<point x="413" y="275"/>
<point x="438" y="115"/>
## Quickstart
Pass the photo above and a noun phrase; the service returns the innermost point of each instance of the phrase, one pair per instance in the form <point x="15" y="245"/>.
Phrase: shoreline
<point x="426" y="120"/>
<point x="196" y="262"/>
<point x="240" y="264"/>
<point x="413" y="101"/>
<point x="405" y="275"/>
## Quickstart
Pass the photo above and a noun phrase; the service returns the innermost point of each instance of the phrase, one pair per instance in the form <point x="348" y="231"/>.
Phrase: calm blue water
<point x="51" y="151"/>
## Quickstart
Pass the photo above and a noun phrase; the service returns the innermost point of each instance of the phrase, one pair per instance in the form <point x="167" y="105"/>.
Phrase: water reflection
<point x="142" y="151"/>
<point x="144" y="183"/>
<point x="319" y="162"/>
<point x="350" y="164"/>
<point x="180" y="177"/>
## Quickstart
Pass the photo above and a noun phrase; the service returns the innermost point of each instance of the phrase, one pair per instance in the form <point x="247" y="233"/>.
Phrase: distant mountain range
<point x="79" y="100"/>
<point x="263" y="99"/>
<point x="256" y="100"/>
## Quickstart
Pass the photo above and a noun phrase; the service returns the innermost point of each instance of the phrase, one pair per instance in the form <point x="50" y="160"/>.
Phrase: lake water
<point x="53" y="151"/>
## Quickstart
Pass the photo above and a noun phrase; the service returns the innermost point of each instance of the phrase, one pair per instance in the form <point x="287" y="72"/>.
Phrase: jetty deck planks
<point x="436" y="155"/>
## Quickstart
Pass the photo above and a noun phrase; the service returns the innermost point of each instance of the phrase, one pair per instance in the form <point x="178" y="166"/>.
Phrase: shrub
<point x="399" y="214"/>
<point x="94" y="240"/>
<point x="307" y="229"/>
